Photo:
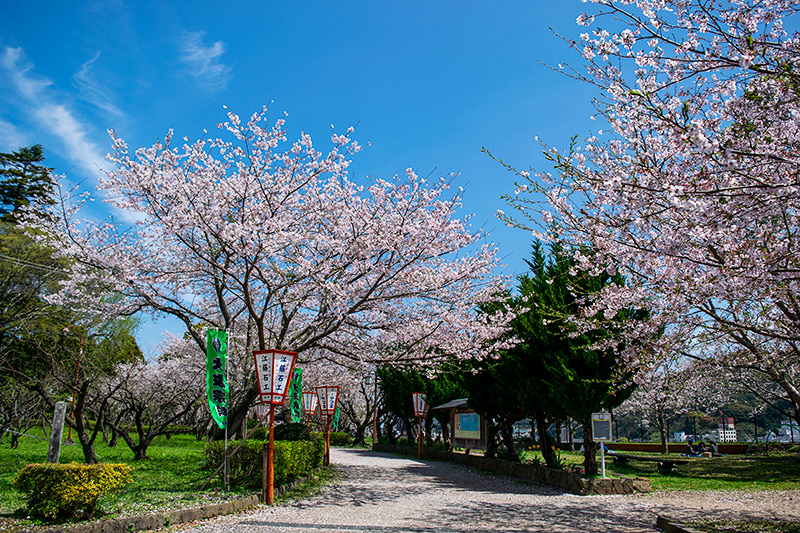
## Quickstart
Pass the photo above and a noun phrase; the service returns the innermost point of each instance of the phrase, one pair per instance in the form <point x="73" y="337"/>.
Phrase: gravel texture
<point x="385" y="493"/>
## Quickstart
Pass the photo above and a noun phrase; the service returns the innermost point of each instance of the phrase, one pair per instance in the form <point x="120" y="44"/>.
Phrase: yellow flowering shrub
<point x="57" y="491"/>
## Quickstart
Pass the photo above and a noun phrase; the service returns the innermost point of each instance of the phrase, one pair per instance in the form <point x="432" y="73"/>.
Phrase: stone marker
<point x="56" y="432"/>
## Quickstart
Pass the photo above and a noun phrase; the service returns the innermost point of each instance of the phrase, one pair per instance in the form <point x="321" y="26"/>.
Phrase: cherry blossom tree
<point x="690" y="189"/>
<point x="152" y="398"/>
<point x="273" y="242"/>
<point x="673" y="388"/>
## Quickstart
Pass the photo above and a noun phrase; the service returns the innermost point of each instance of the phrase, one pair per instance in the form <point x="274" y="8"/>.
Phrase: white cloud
<point x="27" y="86"/>
<point x="92" y="90"/>
<point x="203" y="62"/>
<point x="54" y="117"/>
<point x="79" y="147"/>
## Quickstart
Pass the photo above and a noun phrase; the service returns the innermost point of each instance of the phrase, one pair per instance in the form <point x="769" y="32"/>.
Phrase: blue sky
<point x="426" y="84"/>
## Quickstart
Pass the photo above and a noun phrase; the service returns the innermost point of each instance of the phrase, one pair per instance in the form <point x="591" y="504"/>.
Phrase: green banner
<point x="216" y="377"/>
<point x="296" y="395"/>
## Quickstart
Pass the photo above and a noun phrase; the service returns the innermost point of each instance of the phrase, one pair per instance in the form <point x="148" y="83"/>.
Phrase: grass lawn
<point x="167" y="480"/>
<point x="732" y="472"/>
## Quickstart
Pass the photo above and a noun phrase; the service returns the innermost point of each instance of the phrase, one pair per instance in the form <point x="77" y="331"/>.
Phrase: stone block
<point x="642" y="484"/>
<point x="191" y="514"/>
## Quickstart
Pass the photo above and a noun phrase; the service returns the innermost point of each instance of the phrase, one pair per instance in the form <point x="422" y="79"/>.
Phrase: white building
<point x="788" y="432"/>
<point x="725" y="432"/>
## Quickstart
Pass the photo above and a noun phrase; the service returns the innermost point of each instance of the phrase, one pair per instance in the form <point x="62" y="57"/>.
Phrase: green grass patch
<point x="168" y="479"/>
<point x="732" y="472"/>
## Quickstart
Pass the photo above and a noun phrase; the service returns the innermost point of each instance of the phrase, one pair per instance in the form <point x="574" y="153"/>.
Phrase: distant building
<point x="788" y="432"/>
<point x="726" y="430"/>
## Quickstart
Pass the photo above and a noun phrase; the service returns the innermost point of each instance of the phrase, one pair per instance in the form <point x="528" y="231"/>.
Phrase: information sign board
<point x="601" y="426"/>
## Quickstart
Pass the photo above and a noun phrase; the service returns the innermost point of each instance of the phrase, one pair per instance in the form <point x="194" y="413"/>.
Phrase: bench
<point x="666" y="465"/>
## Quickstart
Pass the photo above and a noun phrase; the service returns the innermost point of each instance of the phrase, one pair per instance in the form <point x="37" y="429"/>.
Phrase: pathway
<point x="390" y="494"/>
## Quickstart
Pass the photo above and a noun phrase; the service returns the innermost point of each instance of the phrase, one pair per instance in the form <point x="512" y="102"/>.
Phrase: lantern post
<point x="328" y="398"/>
<point x="309" y="405"/>
<point x="370" y="380"/>
<point x="420" y="411"/>
<point x="274" y="369"/>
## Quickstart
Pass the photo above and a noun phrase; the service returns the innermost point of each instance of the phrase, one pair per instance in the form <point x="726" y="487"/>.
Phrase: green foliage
<point x="729" y="473"/>
<point x="340" y="438"/>
<point x="289" y="431"/>
<point x="260" y="434"/>
<point x="554" y="371"/>
<point x="291" y="460"/>
<point x="23" y="181"/>
<point x="168" y="480"/>
<point x="293" y="431"/>
<point x="59" y="491"/>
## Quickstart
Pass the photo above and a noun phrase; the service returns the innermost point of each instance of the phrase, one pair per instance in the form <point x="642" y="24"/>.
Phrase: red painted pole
<point x="327" y="460"/>
<point x="419" y="455"/>
<point x="271" y="464"/>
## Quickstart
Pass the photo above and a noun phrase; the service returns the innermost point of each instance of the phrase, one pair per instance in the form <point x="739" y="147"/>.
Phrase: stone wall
<point x="548" y="476"/>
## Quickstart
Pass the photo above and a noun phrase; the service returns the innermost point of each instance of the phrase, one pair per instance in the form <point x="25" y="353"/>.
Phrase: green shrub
<point x="293" y="431"/>
<point x="57" y="491"/>
<point x="259" y="434"/>
<point x="339" y="438"/>
<point x="291" y="460"/>
<point x="288" y="431"/>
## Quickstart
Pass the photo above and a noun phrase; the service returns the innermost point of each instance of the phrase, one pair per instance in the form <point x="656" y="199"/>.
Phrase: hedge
<point x="291" y="460"/>
<point x="288" y="431"/>
<point x="57" y="491"/>
<point x="340" y="438"/>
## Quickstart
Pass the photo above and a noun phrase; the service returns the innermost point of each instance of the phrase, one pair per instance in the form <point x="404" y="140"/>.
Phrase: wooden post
<point x="56" y="432"/>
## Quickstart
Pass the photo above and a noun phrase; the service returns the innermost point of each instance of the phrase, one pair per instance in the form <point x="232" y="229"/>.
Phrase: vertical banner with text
<point x="216" y="377"/>
<point x="296" y="395"/>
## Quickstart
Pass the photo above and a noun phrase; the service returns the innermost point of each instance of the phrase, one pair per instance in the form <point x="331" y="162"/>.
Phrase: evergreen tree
<point x="23" y="181"/>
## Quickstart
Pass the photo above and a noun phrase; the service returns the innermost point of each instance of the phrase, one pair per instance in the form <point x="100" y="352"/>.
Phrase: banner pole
<point x="227" y="420"/>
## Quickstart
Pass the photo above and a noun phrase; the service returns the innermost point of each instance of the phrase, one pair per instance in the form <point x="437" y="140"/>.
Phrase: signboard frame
<point x="420" y="404"/>
<point x="274" y="370"/>
<point x="601" y="427"/>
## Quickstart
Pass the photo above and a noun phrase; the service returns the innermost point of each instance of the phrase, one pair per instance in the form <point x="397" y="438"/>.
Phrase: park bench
<point x="666" y="465"/>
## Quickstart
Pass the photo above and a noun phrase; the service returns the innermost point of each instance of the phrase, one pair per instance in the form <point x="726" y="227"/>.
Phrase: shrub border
<point x="156" y="521"/>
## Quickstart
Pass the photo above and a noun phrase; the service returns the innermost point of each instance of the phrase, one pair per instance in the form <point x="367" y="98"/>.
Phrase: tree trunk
<point x="544" y="441"/>
<point x="428" y="431"/>
<point x="508" y="440"/>
<point x="589" y="450"/>
<point x="662" y="430"/>
<point x="390" y="434"/>
<point x="571" y="434"/>
<point x="114" y="439"/>
<point x="491" y="439"/>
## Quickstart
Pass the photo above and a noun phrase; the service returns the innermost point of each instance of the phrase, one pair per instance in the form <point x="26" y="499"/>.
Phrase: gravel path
<point x="390" y="494"/>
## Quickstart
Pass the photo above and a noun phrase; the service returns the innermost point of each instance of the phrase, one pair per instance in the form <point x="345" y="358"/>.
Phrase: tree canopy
<point x="23" y="181"/>
<point x="689" y="190"/>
